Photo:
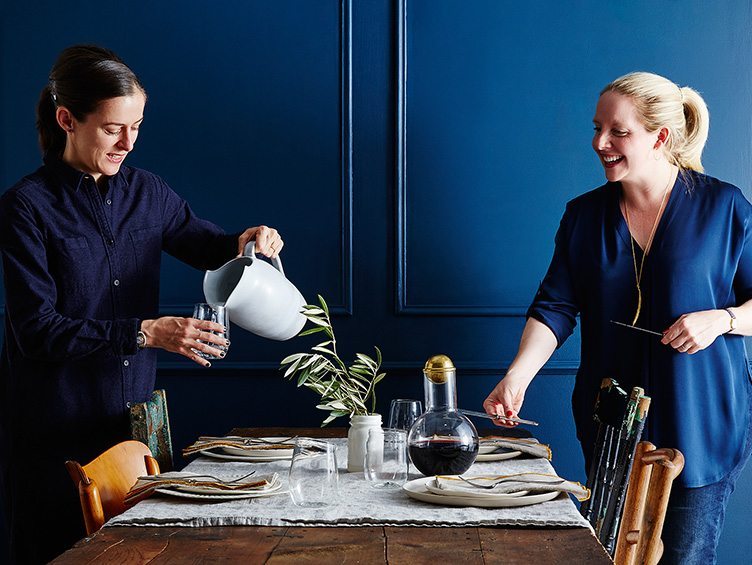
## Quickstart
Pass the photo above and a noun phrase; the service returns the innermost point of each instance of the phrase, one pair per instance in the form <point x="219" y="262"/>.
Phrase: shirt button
<point x="112" y="242"/>
<point x="109" y="201"/>
<point x="126" y="362"/>
<point x="127" y="404"/>
<point x="116" y="282"/>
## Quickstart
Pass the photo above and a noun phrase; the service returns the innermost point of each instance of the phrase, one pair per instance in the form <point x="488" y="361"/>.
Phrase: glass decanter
<point x="442" y="441"/>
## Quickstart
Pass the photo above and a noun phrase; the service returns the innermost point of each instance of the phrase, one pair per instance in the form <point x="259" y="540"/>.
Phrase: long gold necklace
<point x="638" y="272"/>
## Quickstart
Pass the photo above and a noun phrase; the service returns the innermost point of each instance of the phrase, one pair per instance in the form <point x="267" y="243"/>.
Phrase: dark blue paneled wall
<point x="416" y="157"/>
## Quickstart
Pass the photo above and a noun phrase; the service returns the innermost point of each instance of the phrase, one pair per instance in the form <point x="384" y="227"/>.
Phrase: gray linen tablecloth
<point x="359" y="504"/>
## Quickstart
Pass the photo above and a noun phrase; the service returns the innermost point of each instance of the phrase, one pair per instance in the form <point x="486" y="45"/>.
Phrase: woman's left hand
<point x="268" y="241"/>
<point x="695" y="331"/>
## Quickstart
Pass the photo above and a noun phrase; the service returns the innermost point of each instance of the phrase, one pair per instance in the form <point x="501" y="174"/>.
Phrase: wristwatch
<point x="732" y="321"/>
<point x="141" y="339"/>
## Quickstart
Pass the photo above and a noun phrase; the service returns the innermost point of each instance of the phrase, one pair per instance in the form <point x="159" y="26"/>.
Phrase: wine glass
<point x="213" y="313"/>
<point x="403" y="412"/>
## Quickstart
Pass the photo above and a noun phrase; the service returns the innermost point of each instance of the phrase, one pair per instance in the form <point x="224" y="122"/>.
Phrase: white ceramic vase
<point x="357" y="437"/>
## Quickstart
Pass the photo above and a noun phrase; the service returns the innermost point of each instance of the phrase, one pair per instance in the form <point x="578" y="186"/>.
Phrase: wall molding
<point x="246" y="368"/>
<point x="344" y="307"/>
<point x="402" y="306"/>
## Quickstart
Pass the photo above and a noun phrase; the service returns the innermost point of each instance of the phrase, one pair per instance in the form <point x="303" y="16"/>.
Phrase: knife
<point x="651" y="332"/>
<point x="508" y="418"/>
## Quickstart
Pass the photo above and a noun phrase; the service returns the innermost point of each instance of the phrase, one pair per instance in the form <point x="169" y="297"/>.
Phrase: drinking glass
<point x="403" y="412"/>
<point x="385" y="463"/>
<point x="213" y="313"/>
<point x="313" y="479"/>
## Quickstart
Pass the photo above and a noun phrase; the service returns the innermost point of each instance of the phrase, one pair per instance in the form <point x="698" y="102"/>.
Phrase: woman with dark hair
<point x="660" y="246"/>
<point x="81" y="240"/>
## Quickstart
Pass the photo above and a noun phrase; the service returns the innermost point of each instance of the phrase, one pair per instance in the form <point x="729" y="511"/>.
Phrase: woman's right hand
<point x="506" y="400"/>
<point x="184" y="335"/>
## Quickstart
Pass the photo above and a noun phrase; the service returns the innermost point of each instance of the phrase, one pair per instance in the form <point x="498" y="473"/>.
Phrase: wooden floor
<point x="294" y="545"/>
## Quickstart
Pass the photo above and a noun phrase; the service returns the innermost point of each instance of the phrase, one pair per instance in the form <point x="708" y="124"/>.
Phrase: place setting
<point x="493" y="491"/>
<point x="501" y="448"/>
<point x="205" y="487"/>
<point x="243" y="449"/>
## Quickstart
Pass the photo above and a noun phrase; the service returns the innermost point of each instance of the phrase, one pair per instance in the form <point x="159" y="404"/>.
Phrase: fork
<point x="247" y="440"/>
<point x="193" y="478"/>
<point x="509" y="479"/>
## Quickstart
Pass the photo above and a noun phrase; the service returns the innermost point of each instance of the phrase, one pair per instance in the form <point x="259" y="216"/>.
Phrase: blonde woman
<point x="664" y="247"/>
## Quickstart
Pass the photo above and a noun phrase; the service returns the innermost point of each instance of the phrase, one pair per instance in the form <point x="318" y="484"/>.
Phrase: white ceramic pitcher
<point x="258" y="297"/>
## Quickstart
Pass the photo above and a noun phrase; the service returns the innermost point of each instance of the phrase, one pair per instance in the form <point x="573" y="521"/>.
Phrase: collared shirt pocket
<point x="70" y="261"/>
<point x="147" y="250"/>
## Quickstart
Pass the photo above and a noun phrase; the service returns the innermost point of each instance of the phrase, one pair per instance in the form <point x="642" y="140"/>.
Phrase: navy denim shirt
<point x="81" y="270"/>
<point x="701" y="259"/>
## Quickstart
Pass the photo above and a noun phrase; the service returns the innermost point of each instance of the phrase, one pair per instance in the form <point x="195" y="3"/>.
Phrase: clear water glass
<point x="213" y="313"/>
<point x="403" y="412"/>
<point x="313" y="480"/>
<point x="386" y="460"/>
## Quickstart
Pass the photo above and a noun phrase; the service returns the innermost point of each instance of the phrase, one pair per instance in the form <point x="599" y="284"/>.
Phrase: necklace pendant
<point x="639" y="306"/>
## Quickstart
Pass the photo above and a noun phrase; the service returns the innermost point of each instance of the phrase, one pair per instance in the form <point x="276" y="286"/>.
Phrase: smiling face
<point x="99" y="144"/>
<point x="626" y="149"/>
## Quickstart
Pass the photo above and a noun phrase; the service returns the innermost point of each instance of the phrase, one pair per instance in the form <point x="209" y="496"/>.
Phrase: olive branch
<point x="344" y="390"/>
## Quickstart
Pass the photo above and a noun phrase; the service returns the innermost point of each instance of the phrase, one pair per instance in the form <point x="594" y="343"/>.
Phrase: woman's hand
<point x="185" y="336"/>
<point x="506" y="400"/>
<point x="696" y="331"/>
<point x="268" y="241"/>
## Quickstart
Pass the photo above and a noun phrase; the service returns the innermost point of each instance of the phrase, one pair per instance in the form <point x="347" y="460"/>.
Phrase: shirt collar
<point x="72" y="178"/>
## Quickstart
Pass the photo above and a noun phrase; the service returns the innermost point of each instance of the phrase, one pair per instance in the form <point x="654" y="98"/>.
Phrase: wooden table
<point x="393" y="545"/>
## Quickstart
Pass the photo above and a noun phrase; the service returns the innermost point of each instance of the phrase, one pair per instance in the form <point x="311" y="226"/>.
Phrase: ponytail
<point x="697" y="122"/>
<point x="51" y="135"/>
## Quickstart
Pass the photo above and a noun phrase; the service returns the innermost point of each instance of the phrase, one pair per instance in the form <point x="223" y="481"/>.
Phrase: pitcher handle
<point x="250" y="251"/>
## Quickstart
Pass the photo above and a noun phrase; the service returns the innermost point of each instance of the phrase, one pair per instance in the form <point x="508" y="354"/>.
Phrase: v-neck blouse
<point x="700" y="259"/>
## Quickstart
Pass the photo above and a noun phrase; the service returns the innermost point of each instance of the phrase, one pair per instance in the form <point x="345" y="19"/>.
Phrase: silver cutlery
<point x="651" y="332"/>
<point x="488" y="416"/>
<point x="193" y="478"/>
<point x="249" y="440"/>
<point x="509" y="479"/>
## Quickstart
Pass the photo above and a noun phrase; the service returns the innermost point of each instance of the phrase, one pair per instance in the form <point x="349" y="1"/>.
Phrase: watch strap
<point x="732" y="320"/>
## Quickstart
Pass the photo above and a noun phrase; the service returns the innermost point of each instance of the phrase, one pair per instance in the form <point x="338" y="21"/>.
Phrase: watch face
<point x="141" y="339"/>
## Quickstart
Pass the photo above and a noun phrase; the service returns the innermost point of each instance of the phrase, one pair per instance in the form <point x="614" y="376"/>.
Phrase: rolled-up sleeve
<point x="555" y="303"/>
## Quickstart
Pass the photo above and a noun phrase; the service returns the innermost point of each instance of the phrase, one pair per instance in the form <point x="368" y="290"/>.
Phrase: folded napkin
<point x="452" y="485"/>
<point x="147" y="485"/>
<point x="528" y="445"/>
<point x="245" y="444"/>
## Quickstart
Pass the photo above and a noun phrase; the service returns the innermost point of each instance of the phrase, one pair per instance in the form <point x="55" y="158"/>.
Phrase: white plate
<point x="417" y="489"/>
<point x="246" y="458"/>
<point x="498" y="456"/>
<point x="217" y="497"/>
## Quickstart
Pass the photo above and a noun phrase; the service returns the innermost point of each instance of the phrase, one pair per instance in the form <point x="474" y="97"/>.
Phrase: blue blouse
<point x="701" y="259"/>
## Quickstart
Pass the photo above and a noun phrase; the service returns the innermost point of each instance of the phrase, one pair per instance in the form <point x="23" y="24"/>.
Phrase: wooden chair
<point x="653" y="473"/>
<point x="621" y="419"/>
<point x="150" y="424"/>
<point x="103" y="483"/>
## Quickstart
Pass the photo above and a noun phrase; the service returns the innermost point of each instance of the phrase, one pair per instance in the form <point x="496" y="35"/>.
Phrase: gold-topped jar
<point x="442" y="441"/>
<point x="437" y="367"/>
